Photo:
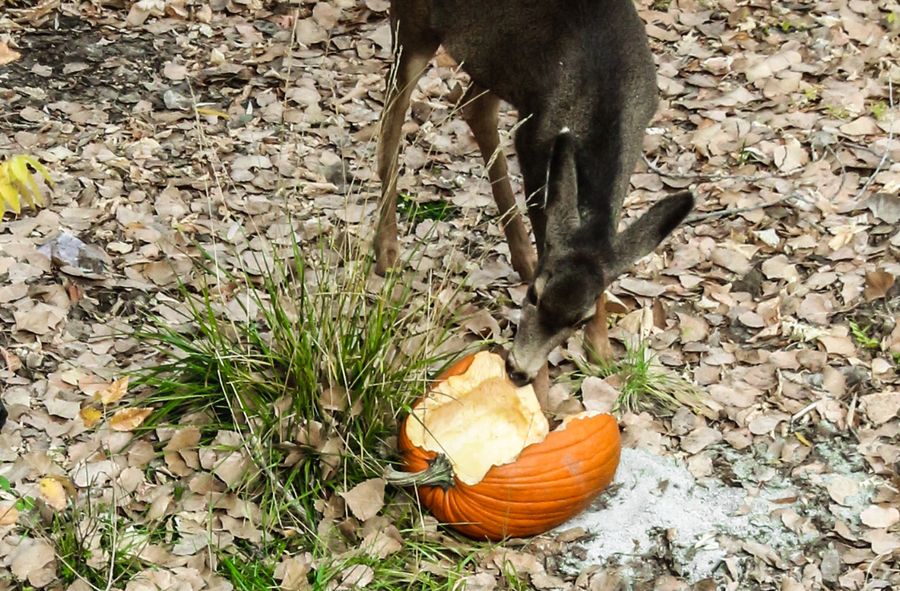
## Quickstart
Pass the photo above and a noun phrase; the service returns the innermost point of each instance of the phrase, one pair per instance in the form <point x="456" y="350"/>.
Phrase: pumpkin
<point x="484" y="461"/>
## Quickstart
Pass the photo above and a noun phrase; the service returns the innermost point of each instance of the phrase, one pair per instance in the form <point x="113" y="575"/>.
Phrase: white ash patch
<point x="652" y="495"/>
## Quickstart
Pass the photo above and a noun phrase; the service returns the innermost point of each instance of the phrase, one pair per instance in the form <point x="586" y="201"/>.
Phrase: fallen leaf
<point x="778" y="267"/>
<point x="881" y="407"/>
<point x="764" y="423"/>
<point x="31" y="560"/>
<point x="7" y="55"/>
<point x="365" y="499"/>
<point x="8" y="514"/>
<point x="885" y="207"/>
<point x="878" y="284"/>
<point x="882" y="541"/>
<point x="53" y="492"/>
<point x="879" y="517"/>
<point x="598" y="395"/>
<point x="356" y="577"/>
<point x="40" y="319"/>
<point x="840" y="487"/>
<point x="693" y="329"/>
<point x="699" y="439"/>
<point x="816" y="308"/>
<point x="114" y="392"/>
<point x="641" y="287"/>
<point x="129" y="419"/>
<point x="90" y="416"/>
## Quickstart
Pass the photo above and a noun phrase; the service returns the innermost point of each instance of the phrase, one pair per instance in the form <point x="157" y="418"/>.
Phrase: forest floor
<point x="235" y="128"/>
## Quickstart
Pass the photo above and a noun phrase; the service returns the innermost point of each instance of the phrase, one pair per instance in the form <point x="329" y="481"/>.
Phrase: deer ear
<point x="562" y="188"/>
<point x="644" y="235"/>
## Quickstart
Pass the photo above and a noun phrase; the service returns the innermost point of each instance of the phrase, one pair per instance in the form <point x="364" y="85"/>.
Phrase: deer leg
<point x="596" y="334"/>
<point x="480" y="109"/>
<point x="411" y="61"/>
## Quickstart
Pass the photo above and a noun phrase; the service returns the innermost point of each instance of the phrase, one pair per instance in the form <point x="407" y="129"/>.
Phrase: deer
<point x="581" y="75"/>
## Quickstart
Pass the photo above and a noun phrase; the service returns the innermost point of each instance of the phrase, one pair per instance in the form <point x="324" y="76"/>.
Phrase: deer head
<point x="581" y="257"/>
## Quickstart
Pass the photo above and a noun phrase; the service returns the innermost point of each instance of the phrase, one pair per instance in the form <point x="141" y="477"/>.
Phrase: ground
<point x="172" y="126"/>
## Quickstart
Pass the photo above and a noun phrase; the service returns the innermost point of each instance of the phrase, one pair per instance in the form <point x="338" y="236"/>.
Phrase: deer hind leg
<point x="596" y="334"/>
<point x="412" y="59"/>
<point x="480" y="109"/>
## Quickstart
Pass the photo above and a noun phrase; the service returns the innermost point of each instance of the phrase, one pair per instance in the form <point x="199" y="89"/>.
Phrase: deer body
<point x="582" y="77"/>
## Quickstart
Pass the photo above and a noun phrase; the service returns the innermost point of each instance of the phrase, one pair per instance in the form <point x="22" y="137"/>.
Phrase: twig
<point x="701" y="177"/>
<point x="736" y="210"/>
<point x="890" y="140"/>
<point x="806" y="410"/>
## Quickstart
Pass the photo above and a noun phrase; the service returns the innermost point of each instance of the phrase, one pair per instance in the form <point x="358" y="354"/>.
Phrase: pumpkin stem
<point x="438" y="473"/>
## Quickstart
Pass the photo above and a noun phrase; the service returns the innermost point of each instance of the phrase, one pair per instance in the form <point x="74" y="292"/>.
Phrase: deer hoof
<point x="386" y="254"/>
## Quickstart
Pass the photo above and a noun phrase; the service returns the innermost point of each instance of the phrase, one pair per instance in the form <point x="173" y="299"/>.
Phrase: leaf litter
<point x="250" y="124"/>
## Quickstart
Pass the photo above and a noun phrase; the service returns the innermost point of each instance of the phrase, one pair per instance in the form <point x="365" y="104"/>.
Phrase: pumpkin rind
<point x="549" y="482"/>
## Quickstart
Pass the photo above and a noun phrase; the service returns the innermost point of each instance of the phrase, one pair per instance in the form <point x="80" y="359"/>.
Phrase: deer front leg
<point x="596" y="334"/>
<point x="410" y="63"/>
<point x="480" y="109"/>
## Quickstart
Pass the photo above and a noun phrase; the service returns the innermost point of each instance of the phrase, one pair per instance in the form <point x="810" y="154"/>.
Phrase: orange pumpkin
<point x="480" y="451"/>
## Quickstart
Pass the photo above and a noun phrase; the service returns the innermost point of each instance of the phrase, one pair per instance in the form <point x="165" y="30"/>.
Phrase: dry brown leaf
<point x="53" y="492"/>
<point x="129" y="419"/>
<point x="700" y="438"/>
<point x="882" y="541"/>
<point x="693" y="329"/>
<point x="763" y="424"/>
<point x="881" y="407"/>
<point x="365" y="499"/>
<point x="8" y="514"/>
<point x="183" y="439"/>
<point x="778" y="267"/>
<point x="840" y="487"/>
<point x="878" y="284"/>
<point x="356" y="577"/>
<point x="7" y="55"/>
<point x="32" y="561"/>
<point x="879" y="517"/>
<point x="382" y="542"/>
<point x="816" y="308"/>
<point x="598" y="395"/>
<point x="113" y="392"/>
<point x="641" y="287"/>
<point x="90" y="416"/>
<point x="40" y="319"/>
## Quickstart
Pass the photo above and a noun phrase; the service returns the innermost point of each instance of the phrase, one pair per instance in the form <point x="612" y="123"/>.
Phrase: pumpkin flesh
<point x="511" y="476"/>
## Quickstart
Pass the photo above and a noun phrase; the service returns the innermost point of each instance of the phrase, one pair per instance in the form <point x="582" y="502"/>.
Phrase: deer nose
<point x="518" y="377"/>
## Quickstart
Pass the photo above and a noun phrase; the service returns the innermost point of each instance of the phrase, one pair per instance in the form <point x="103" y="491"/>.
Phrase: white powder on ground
<point x="655" y="494"/>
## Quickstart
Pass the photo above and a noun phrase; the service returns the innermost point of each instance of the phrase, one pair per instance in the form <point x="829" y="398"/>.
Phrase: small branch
<point x="890" y="140"/>
<point x="737" y="210"/>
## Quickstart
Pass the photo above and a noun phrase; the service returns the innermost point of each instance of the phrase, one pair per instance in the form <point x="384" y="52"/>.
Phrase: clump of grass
<point x="415" y="211"/>
<point x="644" y="384"/>
<point x="862" y="337"/>
<point x="312" y="374"/>
<point x="89" y="545"/>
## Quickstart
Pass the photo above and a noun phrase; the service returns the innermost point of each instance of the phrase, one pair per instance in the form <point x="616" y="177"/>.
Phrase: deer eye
<point x="531" y="295"/>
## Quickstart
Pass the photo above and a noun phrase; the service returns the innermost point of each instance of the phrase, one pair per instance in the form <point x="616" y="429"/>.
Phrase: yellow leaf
<point x="9" y="197"/>
<point x="213" y="113"/>
<point x="129" y="419"/>
<point x="8" y="514"/>
<point x="114" y="392"/>
<point x="53" y="492"/>
<point x="90" y="416"/>
<point x="21" y="176"/>
<point x="18" y="183"/>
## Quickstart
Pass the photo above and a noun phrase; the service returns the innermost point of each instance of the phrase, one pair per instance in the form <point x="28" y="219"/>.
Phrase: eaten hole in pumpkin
<point x="478" y="419"/>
